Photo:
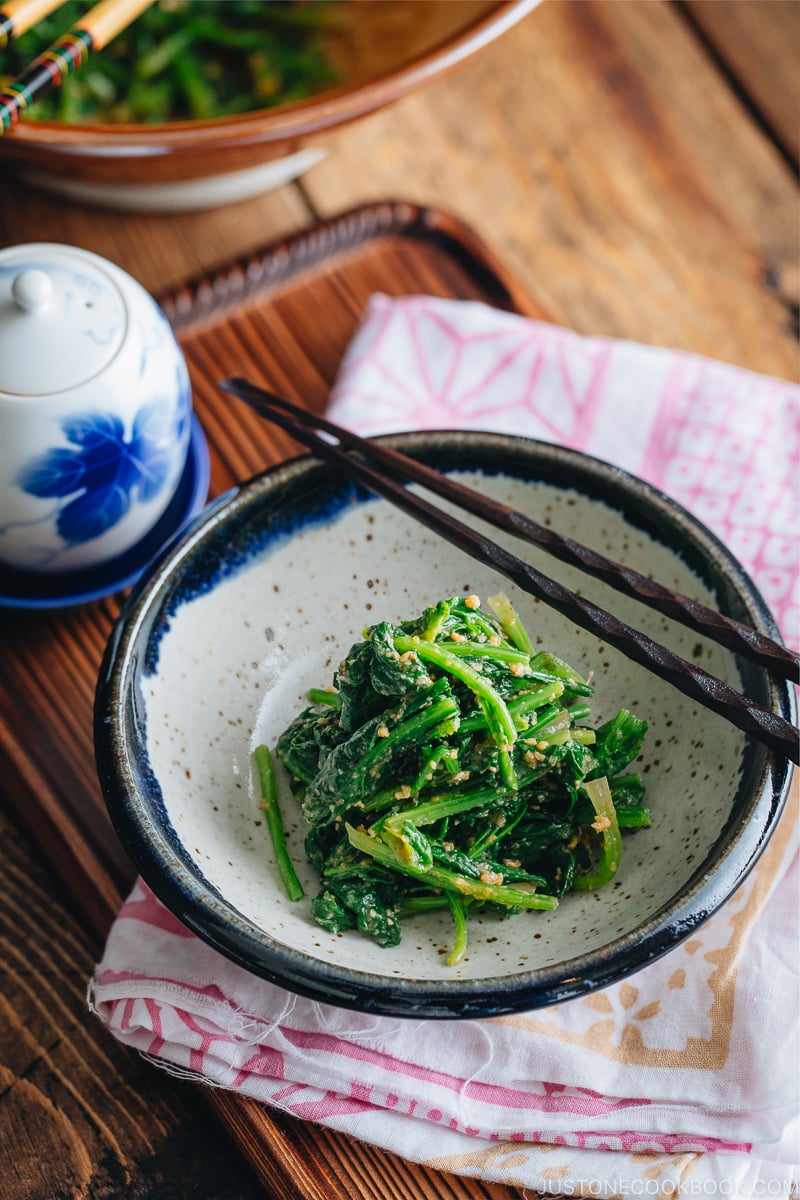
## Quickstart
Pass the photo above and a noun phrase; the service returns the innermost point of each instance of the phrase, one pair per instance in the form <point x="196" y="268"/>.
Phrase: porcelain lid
<point x="62" y="318"/>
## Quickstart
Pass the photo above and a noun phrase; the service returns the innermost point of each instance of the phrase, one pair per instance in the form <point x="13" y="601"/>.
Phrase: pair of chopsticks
<point x="91" y="33"/>
<point x="386" y="471"/>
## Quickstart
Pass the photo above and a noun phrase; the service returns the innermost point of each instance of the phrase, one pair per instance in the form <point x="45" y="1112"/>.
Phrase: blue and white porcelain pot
<point x="95" y="408"/>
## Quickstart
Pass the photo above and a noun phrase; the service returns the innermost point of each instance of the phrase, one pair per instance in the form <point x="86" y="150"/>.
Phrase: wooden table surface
<point x="635" y="164"/>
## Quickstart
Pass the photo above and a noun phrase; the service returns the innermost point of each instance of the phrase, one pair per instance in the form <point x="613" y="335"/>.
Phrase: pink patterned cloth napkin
<point x="681" y="1080"/>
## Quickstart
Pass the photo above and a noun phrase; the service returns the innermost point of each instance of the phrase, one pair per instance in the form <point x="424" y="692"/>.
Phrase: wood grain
<point x="633" y="196"/>
<point x="82" y="1116"/>
<point x="162" y="252"/>
<point x="305" y="1162"/>
<point x="597" y="149"/>
<point x="759" y="43"/>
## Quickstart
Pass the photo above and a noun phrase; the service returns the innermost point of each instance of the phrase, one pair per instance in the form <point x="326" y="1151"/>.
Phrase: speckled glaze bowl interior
<point x="264" y="596"/>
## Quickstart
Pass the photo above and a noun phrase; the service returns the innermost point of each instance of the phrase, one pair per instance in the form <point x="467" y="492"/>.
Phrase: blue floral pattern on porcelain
<point x="99" y="478"/>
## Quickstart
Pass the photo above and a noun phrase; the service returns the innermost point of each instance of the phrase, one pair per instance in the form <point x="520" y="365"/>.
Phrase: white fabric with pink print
<point x="681" y="1080"/>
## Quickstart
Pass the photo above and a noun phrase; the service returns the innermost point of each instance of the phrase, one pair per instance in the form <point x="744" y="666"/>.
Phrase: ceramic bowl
<point x="215" y="651"/>
<point x="381" y="51"/>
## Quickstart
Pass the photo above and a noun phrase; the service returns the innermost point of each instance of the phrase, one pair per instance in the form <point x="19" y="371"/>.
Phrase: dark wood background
<point x="635" y="166"/>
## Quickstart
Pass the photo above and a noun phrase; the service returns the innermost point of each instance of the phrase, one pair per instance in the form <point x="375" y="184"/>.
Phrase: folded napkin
<point x="681" y="1080"/>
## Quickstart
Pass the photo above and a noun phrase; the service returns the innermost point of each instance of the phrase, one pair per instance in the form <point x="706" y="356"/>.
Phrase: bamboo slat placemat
<point x="285" y="316"/>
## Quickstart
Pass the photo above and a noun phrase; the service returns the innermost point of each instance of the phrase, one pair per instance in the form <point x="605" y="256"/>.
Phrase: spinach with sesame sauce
<point x="452" y="766"/>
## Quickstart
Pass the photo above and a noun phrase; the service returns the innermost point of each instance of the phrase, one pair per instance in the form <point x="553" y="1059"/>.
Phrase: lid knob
<point x="63" y="317"/>
<point x="32" y="289"/>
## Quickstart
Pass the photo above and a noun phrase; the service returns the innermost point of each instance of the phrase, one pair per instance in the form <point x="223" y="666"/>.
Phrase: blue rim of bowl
<point x="33" y="589"/>
<point x="177" y="881"/>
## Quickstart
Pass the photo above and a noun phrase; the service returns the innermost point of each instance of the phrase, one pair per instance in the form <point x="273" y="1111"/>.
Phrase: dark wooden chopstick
<point x="768" y="727"/>
<point x="741" y="638"/>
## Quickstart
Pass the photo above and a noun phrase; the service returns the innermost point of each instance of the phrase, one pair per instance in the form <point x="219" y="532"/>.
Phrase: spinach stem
<point x="459" y="919"/>
<point x="507" y="654"/>
<point x="519" y="707"/>
<point x="449" y="881"/>
<point x="446" y="805"/>
<point x="511" y="621"/>
<point x="269" y="807"/>
<point x="607" y="826"/>
<point x="633" y="816"/>
<point x="499" y="719"/>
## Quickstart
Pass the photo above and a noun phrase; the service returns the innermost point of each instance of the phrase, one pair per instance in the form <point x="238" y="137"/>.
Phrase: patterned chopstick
<point x="18" y="16"/>
<point x="93" y="32"/>
<point x="713" y="693"/>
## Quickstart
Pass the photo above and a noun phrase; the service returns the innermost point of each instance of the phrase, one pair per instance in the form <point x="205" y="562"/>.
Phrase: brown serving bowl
<point x="381" y="50"/>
